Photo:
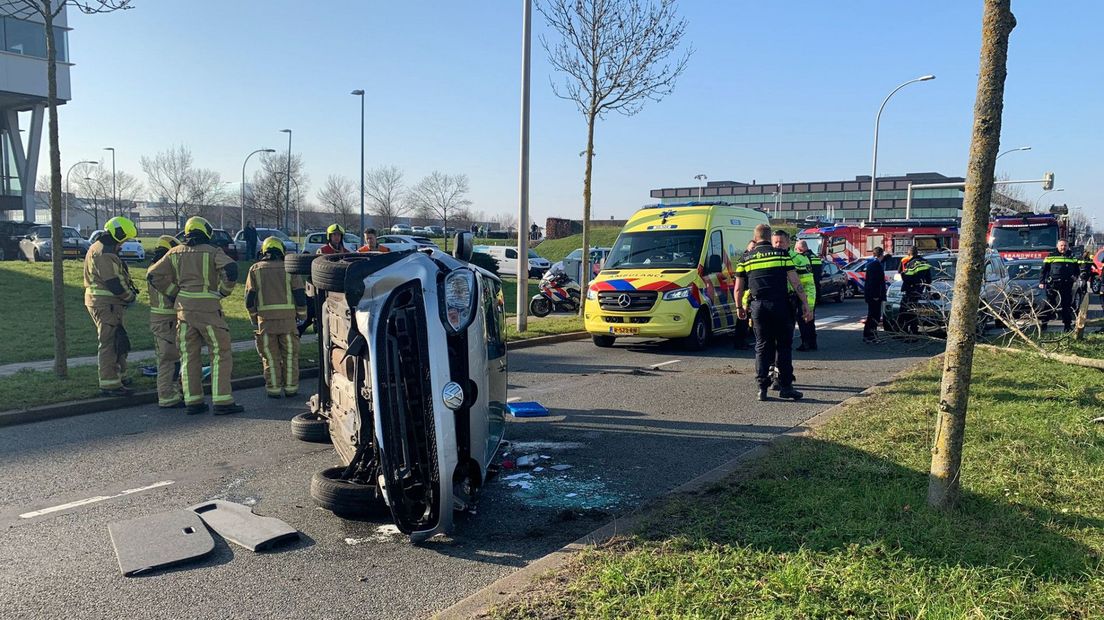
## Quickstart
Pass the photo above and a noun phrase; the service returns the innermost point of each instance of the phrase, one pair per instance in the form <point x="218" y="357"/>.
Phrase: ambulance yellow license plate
<point x="624" y="331"/>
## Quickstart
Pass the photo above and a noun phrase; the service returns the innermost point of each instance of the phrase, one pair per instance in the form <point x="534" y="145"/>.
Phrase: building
<point x="23" y="92"/>
<point x="842" y="200"/>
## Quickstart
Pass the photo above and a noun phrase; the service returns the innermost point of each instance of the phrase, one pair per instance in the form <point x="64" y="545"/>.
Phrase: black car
<point x="833" y="283"/>
<point x="220" y="239"/>
<point x="10" y="235"/>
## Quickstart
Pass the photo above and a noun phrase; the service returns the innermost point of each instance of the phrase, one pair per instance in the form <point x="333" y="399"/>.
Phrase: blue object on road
<point x="149" y="371"/>
<point x="526" y="409"/>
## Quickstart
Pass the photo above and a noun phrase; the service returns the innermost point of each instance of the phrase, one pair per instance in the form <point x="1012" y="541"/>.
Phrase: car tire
<point x="328" y="273"/>
<point x="540" y="306"/>
<point x="299" y="264"/>
<point x="310" y="427"/>
<point x="700" y="332"/>
<point x="345" y="498"/>
<point x="603" y="342"/>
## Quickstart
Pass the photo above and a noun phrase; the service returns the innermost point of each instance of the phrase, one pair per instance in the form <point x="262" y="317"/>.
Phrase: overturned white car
<point x="412" y="386"/>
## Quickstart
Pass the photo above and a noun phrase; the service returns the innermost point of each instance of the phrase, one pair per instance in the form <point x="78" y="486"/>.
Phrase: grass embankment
<point x="27" y="311"/>
<point x="836" y="525"/>
<point x="556" y="249"/>
<point x="553" y="324"/>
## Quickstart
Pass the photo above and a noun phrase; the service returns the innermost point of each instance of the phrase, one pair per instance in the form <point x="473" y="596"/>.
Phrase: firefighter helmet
<point x="198" y="226"/>
<point x="334" y="228"/>
<point x="120" y="229"/>
<point x="167" y="242"/>
<point x="272" y="245"/>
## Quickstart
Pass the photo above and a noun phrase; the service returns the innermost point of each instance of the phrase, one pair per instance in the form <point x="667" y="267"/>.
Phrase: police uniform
<point x="1060" y="270"/>
<point x="804" y="267"/>
<point x="199" y="275"/>
<point x="275" y="299"/>
<point x="914" y="280"/>
<point x="163" y="328"/>
<point x="108" y="291"/>
<point x="764" y="271"/>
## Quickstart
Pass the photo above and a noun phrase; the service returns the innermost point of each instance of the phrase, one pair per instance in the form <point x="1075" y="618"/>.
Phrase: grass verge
<point x="556" y="249"/>
<point x="836" y="525"/>
<point x="557" y="324"/>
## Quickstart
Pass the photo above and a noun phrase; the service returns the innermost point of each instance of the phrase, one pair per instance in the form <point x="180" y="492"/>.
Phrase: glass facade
<point x="27" y="38"/>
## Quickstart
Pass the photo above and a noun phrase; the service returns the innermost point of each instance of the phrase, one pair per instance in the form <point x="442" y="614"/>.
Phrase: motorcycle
<point x="556" y="291"/>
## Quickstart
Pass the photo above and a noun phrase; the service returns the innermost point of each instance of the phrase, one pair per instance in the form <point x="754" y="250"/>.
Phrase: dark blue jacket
<point x="875" y="287"/>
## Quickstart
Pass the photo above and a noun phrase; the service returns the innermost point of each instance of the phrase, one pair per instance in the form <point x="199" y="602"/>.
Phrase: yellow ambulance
<point x="670" y="274"/>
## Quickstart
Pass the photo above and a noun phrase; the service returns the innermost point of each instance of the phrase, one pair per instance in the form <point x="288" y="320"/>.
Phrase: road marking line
<point x="830" y="319"/>
<point x="655" y="366"/>
<point x="92" y="500"/>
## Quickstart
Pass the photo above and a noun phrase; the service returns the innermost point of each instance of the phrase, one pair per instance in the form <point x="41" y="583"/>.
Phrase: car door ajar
<point x="494" y="310"/>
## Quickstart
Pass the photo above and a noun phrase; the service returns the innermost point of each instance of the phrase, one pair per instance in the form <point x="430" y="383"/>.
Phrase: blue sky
<point x="775" y="90"/>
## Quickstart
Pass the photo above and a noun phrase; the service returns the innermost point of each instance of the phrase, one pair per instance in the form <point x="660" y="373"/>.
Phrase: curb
<point x="513" y="345"/>
<point x="479" y="604"/>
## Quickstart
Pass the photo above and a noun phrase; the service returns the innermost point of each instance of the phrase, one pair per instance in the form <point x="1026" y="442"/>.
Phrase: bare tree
<point x="269" y="186"/>
<point x="944" y="479"/>
<point x="339" y="197"/>
<point x="386" y="194"/>
<point x="177" y="188"/>
<point x="48" y="10"/>
<point x="616" y="56"/>
<point x="1009" y="199"/>
<point x="440" y="196"/>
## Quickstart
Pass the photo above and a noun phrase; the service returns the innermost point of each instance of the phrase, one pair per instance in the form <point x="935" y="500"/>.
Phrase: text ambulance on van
<point x="670" y="274"/>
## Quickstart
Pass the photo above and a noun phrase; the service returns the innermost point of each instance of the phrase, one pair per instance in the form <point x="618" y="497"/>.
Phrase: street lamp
<point x="96" y="208"/>
<point x="703" y="179"/>
<point x="287" y="189"/>
<point x="298" y="205"/>
<point x="360" y="93"/>
<point x="877" y="121"/>
<point x="96" y="163"/>
<point x="1022" y="148"/>
<point x="1060" y="189"/>
<point x="114" y="199"/>
<point x="243" y="182"/>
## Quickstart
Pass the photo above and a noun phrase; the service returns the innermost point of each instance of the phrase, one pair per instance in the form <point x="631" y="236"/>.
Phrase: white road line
<point x="830" y="319"/>
<point x="655" y="366"/>
<point x="92" y="500"/>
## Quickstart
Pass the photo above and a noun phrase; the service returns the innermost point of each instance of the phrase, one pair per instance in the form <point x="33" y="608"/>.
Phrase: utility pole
<point x="523" y="202"/>
<point x="287" y="188"/>
<point x="360" y="93"/>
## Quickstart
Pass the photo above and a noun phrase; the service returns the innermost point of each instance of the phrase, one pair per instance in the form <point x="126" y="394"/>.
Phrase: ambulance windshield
<point x="812" y="240"/>
<point x="656" y="249"/>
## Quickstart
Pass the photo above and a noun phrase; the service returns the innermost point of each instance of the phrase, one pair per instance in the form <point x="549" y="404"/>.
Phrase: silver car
<point x="37" y="245"/>
<point x="316" y="240"/>
<point x="290" y="246"/>
<point x="933" y="309"/>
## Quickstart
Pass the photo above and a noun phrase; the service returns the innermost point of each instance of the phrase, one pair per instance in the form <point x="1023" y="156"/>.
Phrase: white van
<point x="507" y="260"/>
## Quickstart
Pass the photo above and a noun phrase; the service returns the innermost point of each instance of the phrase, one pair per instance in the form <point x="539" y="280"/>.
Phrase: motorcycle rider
<point x="1060" y="270"/>
<point x="556" y="289"/>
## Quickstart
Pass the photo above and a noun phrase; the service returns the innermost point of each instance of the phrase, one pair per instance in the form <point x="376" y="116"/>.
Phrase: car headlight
<point x="592" y="294"/>
<point x="458" y="299"/>
<point x="678" y="293"/>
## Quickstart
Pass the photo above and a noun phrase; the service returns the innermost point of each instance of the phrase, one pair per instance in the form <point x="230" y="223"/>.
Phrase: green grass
<point x="27" y="312"/>
<point x="30" y="388"/>
<point x="836" y="525"/>
<point x="509" y="291"/>
<point x="556" y="249"/>
<point x="553" y="324"/>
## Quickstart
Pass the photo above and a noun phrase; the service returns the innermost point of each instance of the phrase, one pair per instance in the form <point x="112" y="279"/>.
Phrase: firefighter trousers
<point x="194" y="330"/>
<point x="168" y="360"/>
<point x="280" y="359"/>
<point x="112" y="351"/>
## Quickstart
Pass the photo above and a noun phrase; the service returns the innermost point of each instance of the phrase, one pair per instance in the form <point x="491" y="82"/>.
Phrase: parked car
<point x="221" y="239"/>
<point x="36" y="244"/>
<point x="401" y="229"/>
<point x="405" y="242"/>
<point x="1023" y="286"/>
<point x="412" y="389"/>
<point x="290" y="246"/>
<point x="11" y="233"/>
<point x="934" y="307"/>
<point x="130" y="251"/>
<point x="434" y="231"/>
<point x="507" y="260"/>
<point x="856" y="272"/>
<point x="316" y="240"/>
<point x="573" y="262"/>
<point x="833" y="283"/>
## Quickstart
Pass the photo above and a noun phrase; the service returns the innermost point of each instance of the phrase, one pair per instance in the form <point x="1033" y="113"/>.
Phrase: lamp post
<point x="287" y="188"/>
<point x="114" y="198"/>
<point x="360" y="93"/>
<point x="1022" y="148"/>
<point x="702" y="178"/>
<point x="96" y="208"/>
<point x="522" y="298"/>
<point x="298" y="204"/>
<point x="877" y="121"/>
<point x="243" y="182"/>
<point x="67" y="185"/>
<point x="1060" y="189"/>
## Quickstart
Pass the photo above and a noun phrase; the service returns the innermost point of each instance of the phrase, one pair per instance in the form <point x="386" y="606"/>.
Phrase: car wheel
<point x="699" y="332"/>
<point x="310" y="427"/>
<point x="328" y="274"/>
<point x="299" y="264"/>
<point x="540" y="306"/>
<point x="346" y="498"/>
<point x="603" y="342"/>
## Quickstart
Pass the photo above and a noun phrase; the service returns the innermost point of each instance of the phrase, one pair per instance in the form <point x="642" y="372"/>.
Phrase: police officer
<point x="874" y="292"/>
<point x="199" y="275"/>
<point x="766" y="272"/>
<point x="916" y="279"/>
<point x="809" y="274"/>
<point x="275" y="299"/>
<point x="1060" y="270"/>
<point x="108" y="291"/>
<point x="335" y="240"/>
<point x="163" y="328"/>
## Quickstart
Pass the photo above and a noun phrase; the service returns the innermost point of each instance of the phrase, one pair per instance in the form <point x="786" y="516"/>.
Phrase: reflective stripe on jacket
<point x="100" y="266"/>
<point x="197" y="276"/>
<point x="270" y="292"/>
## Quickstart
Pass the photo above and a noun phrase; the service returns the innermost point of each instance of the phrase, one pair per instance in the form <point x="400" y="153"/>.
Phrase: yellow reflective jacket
<point x="272" y="293"/>
<point x="196" y="275"/>
<point x="100" y="267"/>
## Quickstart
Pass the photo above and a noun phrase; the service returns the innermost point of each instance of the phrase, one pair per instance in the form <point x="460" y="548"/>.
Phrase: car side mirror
<point x="713" y="264"/>
<point x="464" y="246"/>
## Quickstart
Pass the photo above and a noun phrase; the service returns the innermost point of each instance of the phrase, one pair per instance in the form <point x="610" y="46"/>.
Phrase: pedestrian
<point x="534" y="231"/>
<point x="200" y="275"/>
<point x="803" y="264"/>
<point x="1060" y="271"/>
<point x="335" y="240"/>
<point x="371" y="242"/>
<point x="874" y="292"/>
<point x="915" y="282"/>
<point x="108" y="292"/>
<point x="163" y="328"/>
<point x="275" y="299"/>
<point x="249" y="233"/>
<point x="766" y="272"/>
<point x="742" y="329"/>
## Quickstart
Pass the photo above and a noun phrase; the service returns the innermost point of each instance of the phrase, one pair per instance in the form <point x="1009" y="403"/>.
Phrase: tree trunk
<point x="944" y="478"/>
<point x="584" y="279"/>
<point x="61" y="367"/>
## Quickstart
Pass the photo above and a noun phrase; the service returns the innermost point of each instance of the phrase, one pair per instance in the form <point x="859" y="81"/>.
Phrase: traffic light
<point x="1048" y="181"/>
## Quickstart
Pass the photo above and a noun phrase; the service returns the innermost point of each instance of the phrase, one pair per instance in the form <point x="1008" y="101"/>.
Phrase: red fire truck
<point x="845" y="243"/>
<point x="1029" y="235"/>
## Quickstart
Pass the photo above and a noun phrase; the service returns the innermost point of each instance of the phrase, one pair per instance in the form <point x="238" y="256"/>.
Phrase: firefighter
<point x="108" y="292"/>
<point x="766" y="272"/>
<point x="915" y="281"/>
<point x="809" y="274"/>
<point x="275" y="299"/>
<point x="163" y="328"/>
<point x="335" y="240"/>
<point x="200" y="275"/>
<point x="1060" y="271"/>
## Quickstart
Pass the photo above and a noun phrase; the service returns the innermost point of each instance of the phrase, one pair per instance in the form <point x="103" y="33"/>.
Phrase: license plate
<point x="624" y="331"/>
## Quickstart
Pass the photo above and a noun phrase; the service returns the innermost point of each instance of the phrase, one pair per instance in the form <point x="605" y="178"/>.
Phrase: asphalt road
<point x="632" y="422"/>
